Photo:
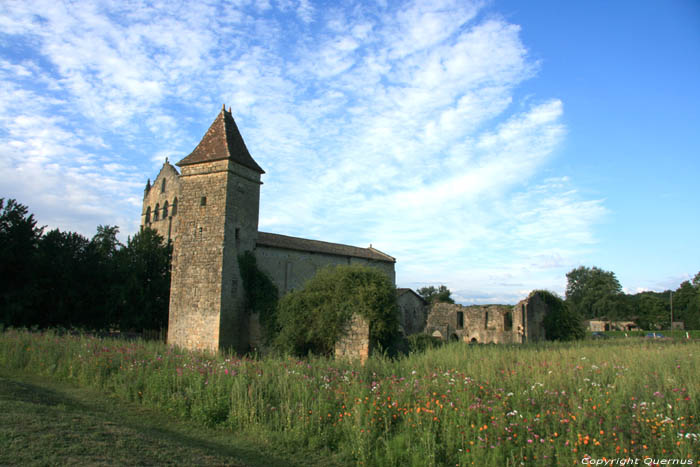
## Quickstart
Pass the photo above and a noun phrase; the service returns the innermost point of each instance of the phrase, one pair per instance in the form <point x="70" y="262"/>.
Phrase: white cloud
<point x="394" y="125"/>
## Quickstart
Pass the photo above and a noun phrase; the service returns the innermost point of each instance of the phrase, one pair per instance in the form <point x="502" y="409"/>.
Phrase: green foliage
<point x="431" y="294"/>
<point x="422" y="342"/>
<point x="314" y="318"/>
<point x="592" y="292"/>
<point x="261" y="294"/>
<point x="64" y="279"/>
<point x="561" y="323"/>
<point x="143" y="293"/>
<point x="19" y="238"/>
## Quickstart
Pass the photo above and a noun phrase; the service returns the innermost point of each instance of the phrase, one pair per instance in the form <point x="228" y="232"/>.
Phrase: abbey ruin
<point x="210" y="211"/>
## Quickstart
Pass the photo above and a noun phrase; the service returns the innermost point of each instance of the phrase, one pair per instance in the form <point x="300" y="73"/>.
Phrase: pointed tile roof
<point x="222" y="141"/>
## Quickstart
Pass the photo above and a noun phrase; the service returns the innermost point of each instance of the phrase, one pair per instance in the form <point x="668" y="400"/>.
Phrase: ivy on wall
<point x="260" y="293"/>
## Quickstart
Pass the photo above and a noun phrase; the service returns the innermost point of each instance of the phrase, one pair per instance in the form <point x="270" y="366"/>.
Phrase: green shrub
<point x="314" y="318"/>
<point x="561" y="323"/>
<point x="422" y="342"/>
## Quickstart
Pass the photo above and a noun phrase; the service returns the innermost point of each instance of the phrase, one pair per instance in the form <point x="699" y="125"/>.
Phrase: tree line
<point x="594" y="293"/>
<point x="63" y="279"/>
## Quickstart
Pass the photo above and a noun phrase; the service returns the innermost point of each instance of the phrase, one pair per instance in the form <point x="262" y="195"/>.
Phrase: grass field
<point x="551" y="404"/>
<point x="45" y="422"/>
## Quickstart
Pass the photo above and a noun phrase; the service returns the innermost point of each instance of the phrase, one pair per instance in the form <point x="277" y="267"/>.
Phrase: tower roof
<point x="222" y="141"/>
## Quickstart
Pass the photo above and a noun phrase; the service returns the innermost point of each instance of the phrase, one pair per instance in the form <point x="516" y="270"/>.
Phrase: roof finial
<point x="223" y="106"/>
<point x="166" y="159"/>
<point x="229" y="109"/>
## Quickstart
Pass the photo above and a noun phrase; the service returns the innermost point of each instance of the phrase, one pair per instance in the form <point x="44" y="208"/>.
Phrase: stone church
<point x="210" y="211"/>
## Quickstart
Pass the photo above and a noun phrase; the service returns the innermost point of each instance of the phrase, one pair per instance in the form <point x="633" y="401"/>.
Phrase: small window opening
<point x="148" y="215"/>
<point x="460" y="320"/>
<point x="162" y="186"/>
<point x="174" y="211"/>
<point x="155" y="212"/>
<point x="508" y="321"/>
<point x="486" y="320"/>
<point x="165" y="210"/>
<point x="203" y="201"/>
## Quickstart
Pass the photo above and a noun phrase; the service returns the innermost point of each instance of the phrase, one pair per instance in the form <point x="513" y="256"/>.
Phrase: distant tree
<point x="652" y="310"/>
<point x="19" y="238"/>
<point x="696" y="281"/>
<point x="686" y="305"/>
<point x="314" y="318"/>
<point x="592" y="292"/>
<point x="431" y="294"/>
<point x="561" y="323"/>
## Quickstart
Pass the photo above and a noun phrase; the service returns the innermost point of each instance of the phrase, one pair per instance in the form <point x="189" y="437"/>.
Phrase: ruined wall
<point x="218" y="220"/>
<point x="413" y="312"/>
<point x="533" y="309"/>
<point x="161" y="203"/>
<point x="355" y="344"/>
<point x="477" y="323"/>
<point x="290" y="269"/>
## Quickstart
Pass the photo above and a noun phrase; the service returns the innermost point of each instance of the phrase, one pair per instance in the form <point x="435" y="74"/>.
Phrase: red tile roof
<point x="222" y="141"/>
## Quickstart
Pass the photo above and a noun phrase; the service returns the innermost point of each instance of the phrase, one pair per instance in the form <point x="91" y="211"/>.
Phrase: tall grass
<point x="455" y="405"/>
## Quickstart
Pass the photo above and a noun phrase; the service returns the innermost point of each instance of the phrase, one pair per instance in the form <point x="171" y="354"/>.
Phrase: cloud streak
<point x="394" y="125"/>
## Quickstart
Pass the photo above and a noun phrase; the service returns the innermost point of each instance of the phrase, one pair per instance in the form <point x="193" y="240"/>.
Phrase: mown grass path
<point x="45" y="422"/>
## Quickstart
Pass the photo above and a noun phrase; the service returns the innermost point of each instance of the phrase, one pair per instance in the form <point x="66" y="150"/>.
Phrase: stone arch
<point x="148" y="215"/>
<point x="454" y="337"/>
<point x="174" y="210"/>
<point x="155" y="212"/>
<point x="165" y="210"/>
<point x="474" y="340"/>
<point x="437" y="334"/>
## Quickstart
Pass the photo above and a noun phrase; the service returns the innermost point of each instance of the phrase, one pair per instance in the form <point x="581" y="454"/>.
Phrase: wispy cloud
<point x="394" y="125"/>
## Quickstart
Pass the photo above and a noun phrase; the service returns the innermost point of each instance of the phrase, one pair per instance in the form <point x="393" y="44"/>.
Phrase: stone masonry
<point x="210" y="213"/>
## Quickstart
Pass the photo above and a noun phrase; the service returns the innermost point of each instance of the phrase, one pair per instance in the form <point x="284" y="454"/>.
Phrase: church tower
<point x="218" y="207"/>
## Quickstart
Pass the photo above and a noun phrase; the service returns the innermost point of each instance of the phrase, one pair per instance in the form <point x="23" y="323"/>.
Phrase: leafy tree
<point x="686" y="305"/>
<point x="64" y="280"/>
<point x="19" y="237"/>
<point x="143" y="291"/>
<point x="592" y="292"/>
<point x="561" y="323"/>
<point x="652" y="310"/>
<point x="314" y="318"/>
<point x="431" y="294"/>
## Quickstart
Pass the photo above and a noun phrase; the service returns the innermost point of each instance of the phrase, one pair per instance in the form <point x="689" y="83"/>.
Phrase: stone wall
<point x="206" y="294"/>
<point x="477" y="323"/>
<point x="413" y="312"/>
<point x="161" y="203"/>
<point x="291" y="269"/>
<point x="532" y="311"/>
<point x="355" y="344"/>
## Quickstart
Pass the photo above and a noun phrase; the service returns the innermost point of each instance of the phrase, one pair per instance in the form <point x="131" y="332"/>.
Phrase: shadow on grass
<point x="88" y="416"/>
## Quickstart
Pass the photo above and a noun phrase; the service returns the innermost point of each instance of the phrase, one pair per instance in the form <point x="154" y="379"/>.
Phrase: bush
<point x="314" y="318"/>
<point x="561" y="323"/>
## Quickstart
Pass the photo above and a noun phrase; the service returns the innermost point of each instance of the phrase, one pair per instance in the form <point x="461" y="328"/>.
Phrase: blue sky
<point x="488" y="146"/>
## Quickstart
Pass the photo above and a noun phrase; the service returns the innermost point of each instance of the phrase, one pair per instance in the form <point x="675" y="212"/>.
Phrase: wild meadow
<point x="544" y="404"/>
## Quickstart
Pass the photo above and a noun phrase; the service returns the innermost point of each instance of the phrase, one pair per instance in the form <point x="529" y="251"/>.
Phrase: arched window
<point x="155" y="212"/>
<point x="162" y="186"/>
<point x="148" y="215"/>
<point x="174" y="211"/>
<point x="165" y="210"/>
